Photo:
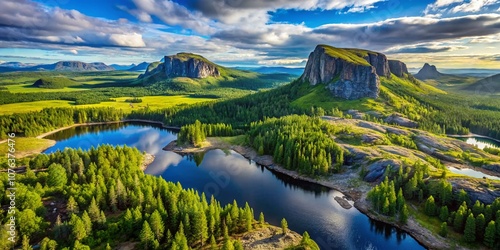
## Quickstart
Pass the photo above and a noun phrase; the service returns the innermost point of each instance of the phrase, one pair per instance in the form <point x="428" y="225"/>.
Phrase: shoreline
<point x="471" y="135"/>
<point x="422" y="235"/>
<point x="104" y="123"/>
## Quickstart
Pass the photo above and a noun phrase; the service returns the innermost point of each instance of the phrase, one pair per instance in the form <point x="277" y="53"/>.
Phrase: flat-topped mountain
<point x="428" y="72"/>
<point x="184" y="65"/>
<point x="349" y="73"/>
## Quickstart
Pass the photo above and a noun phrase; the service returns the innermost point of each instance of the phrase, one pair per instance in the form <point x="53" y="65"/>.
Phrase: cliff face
<point x="428" y="72"/>
<point x="380" y="62"/>
<point x="353" y="77"/>
<point x="183" y="65"/>
<point x="80" y="66"/>
<point x="398" y="68"/>
<point x="193" y="67"/>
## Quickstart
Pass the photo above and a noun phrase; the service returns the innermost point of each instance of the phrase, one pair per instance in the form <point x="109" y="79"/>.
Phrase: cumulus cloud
<point x="456" y="6"/>
<point x="413" y="30"/>
<point x="256" y="11"/>
<point x="22" y="20"/>
<point x="74" y="51"/>
<point x="170" y="13"/>
<point x="473" y="6"/>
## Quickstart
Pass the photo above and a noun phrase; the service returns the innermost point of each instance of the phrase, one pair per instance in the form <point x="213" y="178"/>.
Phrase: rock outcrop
<point x="428" y="72"/>
<point x="398" y="68"/>
<point x="348" y="74"/>
<point x="400" y="120"/>
<point x="184" y="65"/>
<point x="380" y="62"/>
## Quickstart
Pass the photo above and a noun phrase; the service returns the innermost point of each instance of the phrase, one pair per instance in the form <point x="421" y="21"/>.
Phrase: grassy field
<point x="27" y="88"/>
<point x="20" y="82"/>
<point x="26" y="146"/>
<point x="154" y="102"/>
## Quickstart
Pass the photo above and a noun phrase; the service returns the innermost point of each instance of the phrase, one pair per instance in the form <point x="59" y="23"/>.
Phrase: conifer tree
<point x="284" y="226"/>
<point x="470" y="229"/>
<point x="146" y="236"/>
<point x="489" y="235"/>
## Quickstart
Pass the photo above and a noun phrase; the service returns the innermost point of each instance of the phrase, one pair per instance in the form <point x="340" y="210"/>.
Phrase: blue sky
<point x="447" y="33"/>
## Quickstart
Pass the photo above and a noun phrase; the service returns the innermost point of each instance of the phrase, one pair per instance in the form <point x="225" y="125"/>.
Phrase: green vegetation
<point x="54" y="83"/>
<point x="109" y="200"/>
<point x="150" y="103"/>
<point x="299" y="143"/>
<point x="441" y="210"/>
<point x="350" y="55"/>
<point x="196" y="133"/>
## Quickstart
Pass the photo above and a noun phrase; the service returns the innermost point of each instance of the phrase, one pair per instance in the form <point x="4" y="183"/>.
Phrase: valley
<point x="355" y="129"/>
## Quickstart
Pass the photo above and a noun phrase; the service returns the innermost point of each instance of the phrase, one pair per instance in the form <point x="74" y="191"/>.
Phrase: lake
<point x="229" y="176"/>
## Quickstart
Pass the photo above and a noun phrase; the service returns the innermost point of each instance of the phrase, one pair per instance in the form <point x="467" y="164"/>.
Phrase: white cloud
<point x="127" y="40"/>
<point x="74" y="51"/>
<point x="473" y="6"/>
<point x="22" y="20"/>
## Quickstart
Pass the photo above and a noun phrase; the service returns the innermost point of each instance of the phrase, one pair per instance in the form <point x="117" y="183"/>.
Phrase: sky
<point x="446" y="33"/>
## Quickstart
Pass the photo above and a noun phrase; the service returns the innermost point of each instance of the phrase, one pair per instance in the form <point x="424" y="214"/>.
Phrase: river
<point x="229" y="176"/>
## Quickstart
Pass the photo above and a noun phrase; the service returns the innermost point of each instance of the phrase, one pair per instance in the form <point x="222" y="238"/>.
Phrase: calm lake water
<point x="229" y="176"/>
<point x="481" y="143"/>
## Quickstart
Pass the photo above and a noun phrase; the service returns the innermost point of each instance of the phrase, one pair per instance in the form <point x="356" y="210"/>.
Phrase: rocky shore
<point x="345" y="183"/>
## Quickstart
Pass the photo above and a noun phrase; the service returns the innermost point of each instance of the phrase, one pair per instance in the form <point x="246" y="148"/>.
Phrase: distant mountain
<point x="122" y="67"/>
<point x="63" y="66"/>
<point x="17" y="64"/>
<point x="187" y="71"/>
<point x="139" y="67"/>
<point x="428" y="72"/>
<point x="489" y="85"/>
<point x="471" y="72"/>
<point x="274" y="70"/>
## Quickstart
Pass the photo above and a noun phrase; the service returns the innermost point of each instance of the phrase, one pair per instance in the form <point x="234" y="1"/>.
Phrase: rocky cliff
<point x="428" y="72"/>
<point x="398" y="68"/>
<point x="184" y="65"/>
<point x="348" y="73"/>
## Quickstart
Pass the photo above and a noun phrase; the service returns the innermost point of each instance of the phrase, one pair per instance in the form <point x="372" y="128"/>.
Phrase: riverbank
<point x="347" y="183"/>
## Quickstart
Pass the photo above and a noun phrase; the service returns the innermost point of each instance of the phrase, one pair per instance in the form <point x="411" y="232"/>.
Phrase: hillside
<point x="489" y="85"/>
<point x="191" y="72"/>
<point x="54" y="83"/>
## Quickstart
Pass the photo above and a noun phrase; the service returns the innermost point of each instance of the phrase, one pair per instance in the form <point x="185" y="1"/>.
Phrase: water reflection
<point x="229" y="176"/>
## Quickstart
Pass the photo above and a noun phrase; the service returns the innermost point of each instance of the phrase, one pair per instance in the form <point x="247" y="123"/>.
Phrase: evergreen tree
<point x="480" y="226"/>
<point x="284" y="226"/>
<point x="489" y="235"/>
<point x="261" y="219"/>
<point x="94" y="211"/>
<point x="57" y="176"/>
<point x="146" y="236"/>
<point x="430" y="206"/>
<point x="213" y="243"/>
<point x="156" y="224"/>
<point x="71" y="206"/>
<point x="443" y="214"/>
<point x="443" y="231"/>
<point x="403" y="214"/>
<point x="238" y="245"/>
<point x="470" y="229"/>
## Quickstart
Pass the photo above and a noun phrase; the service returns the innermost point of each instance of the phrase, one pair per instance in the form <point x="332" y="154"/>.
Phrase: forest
<point x="95" y="199"/>
<point x="475" y="223"/>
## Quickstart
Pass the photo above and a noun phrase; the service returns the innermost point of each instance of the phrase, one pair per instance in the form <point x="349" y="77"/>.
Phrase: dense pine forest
<point x="95" y="199"/>
<point x="475" y="223"/>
